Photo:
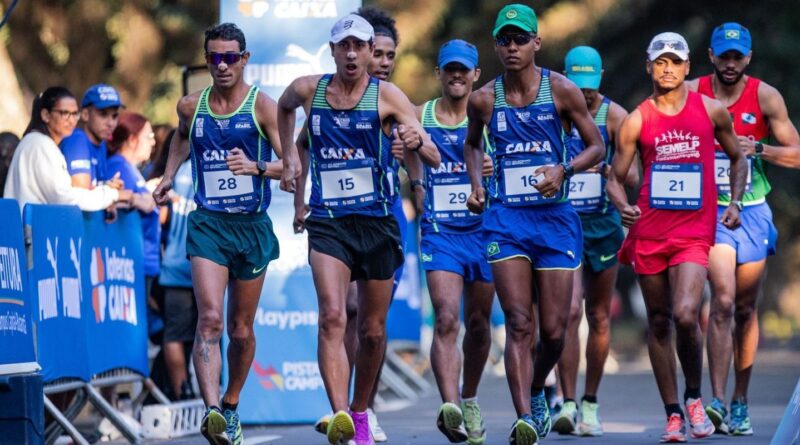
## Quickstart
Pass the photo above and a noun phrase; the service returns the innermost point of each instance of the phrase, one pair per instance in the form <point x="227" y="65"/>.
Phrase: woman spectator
<point x="38" y="172"/>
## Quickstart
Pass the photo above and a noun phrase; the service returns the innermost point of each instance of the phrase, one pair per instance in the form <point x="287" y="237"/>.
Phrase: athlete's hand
<point x="551" y="183"/>
<point x="476" y="200"/>
<point x="299" y="222"/>
<point x="748" y="145"/>
<point x="238" y="163"/>
<point x="410" y="138"/>
<point x="291" y="171"/>
<point x="487" y="169"/>
<point x="161" y="193"/>
<point x="397" y="146"/>
<point x="630" y="214"/>
<point x="730" y="217"/>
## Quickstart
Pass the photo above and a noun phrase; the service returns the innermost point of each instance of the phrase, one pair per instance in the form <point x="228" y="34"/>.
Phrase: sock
<point x="590" y="398"/>
<point x="569" y="400"/>
<point x="673" y="408"/>
<point x="469" y="399"/>
<point x="228" y="406"/>
<point x="691" y="393"/>
<point x="215" y="408"/>
<point x="535" y="392"/>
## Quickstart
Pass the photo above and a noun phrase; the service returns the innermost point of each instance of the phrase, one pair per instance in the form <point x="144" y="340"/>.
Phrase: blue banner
<point x="404" y="320"/>
<point x="114" y="292"/>
<point x="789" y="429"/>
<point x="54" y="274"/>
<point x="16" y="334"/>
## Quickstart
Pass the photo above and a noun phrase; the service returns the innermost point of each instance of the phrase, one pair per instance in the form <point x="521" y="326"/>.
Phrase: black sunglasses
<point x="518" y="39"/>
<point x="228" y="58"/>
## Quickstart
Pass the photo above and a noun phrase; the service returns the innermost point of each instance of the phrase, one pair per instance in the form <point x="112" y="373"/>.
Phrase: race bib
<point x="223" y="184"/>
<point x="519" y="182"/>
<point x="722" y="173"/>
<point x="586" y="190"/>
<point x="450" y="194"/>
<point x="347" y="182"/>
<point x="676" y="186"/>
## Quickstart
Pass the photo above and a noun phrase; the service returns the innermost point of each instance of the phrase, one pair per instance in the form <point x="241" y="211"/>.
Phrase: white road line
<point x="260" y="439"/>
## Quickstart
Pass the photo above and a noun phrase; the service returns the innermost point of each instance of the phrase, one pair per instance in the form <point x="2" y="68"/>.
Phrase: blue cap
<point x="458" y="51"/>
<point x="730" y="36"/>
<point x="584" y="66"/>
<point x="101" y="96"/>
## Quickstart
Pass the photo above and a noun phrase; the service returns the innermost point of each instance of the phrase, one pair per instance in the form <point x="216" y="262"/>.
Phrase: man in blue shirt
<point x="85" y="149"/>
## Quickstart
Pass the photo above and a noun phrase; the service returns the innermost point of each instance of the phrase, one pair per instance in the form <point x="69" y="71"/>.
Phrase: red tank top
<point x="678" y="197"/>
<point x="745" y="112"/>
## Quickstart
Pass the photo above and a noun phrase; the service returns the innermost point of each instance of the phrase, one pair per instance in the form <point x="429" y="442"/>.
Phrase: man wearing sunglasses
<point x="230" y="131"/>
<point x="532" y="235"/>
<point x="352" y="234"/>
<point x="738" y="259"/>
<point x="85" y="150"/>
<point x="672" y="225"/>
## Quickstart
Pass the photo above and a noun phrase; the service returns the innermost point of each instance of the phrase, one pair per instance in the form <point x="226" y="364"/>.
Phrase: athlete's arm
<point x="414" y="167"/>
<point x="299" y="92"/>
<point x="786" y="151"/>
<point x="479" y="108"/>
<point x="178" y="148"/>
<point x="723" y="132"/>
<point x="616" y="114"/>
<point x="571" y="106"/>
<point x="300" y="206"/>
<point x="409" y="129"/>
<point x="624" y="155"/>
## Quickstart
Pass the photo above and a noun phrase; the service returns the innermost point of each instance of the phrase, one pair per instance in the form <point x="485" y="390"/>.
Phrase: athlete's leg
<point x="555" y="294"/>
<point x="570" y="357"/>
<point x="374" y="297"/>
<point x="351" y="331"/>
<point x="598" y="307"/>
<point x="478" y="337"/>
<point x="722" y="276"/>
<point x="749" y="279"/>
<point x="242" y="306"/>
<point x="331" y="279"/>
<point x="446" y="289"/>
<point x="209" y="281"/>
<point x="514" y="282"/>
<point x="655" y="289"/>
<point x="686" y="285"/>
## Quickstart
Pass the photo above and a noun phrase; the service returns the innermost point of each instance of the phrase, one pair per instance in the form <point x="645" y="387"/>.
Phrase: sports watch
<point x="737" y="203"/>
<point x="569" y="170"/>
<point x="262" y="167"/>
<point x="759" y="148"/>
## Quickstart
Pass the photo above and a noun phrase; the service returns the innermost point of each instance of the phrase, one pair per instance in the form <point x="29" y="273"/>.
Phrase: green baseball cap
<point x="521" y="16"/>
<point x="584" y="66"/>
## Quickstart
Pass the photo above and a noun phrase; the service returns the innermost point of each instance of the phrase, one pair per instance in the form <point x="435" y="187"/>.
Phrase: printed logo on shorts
<point x="492" y="249"/>
<point x="571" y="254"/>
<point x="748" y="118"/>
<point x="426" y="258"/>
<point x="605" y="258"/>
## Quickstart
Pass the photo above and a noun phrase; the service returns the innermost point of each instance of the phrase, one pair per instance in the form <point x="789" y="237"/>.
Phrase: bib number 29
<point x="458" y="198"/>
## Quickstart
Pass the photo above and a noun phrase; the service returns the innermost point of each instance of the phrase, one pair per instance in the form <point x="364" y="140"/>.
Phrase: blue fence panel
<point x="114" y="292"/>
<point x="54" y="274"/>
<point x="16" y="333"/>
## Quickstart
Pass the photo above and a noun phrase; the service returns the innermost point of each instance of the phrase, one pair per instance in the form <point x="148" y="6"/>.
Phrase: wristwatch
<point x="737" y="203"/>
<point x="759" y="148"/>
<point x="569" y="170"/>
<point x="417" y="183"/>
<point x="262" y="167"/>
<point x="421" y="143"/>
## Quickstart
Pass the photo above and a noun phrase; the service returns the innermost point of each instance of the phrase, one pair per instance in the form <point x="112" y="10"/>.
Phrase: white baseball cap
<point x="668" y="43"/>
<point x="352" y="25"/>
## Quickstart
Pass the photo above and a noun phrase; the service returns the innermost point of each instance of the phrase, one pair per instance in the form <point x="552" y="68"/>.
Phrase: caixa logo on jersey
<point x="113" y="280"/>
<point x="292" y="376"/>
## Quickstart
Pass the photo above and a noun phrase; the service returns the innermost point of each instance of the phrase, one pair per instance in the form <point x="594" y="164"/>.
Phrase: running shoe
<point x="234" y="428"/>
<point x="473" y="422"/>
<point x="565" y="420"/>
<point x="740" y="419"/>
<point x="718" y="414"/>
<point x="377" y="432"/>
<point x="699" y="424"/>
<point x="450" y="422"/>
<point x="675" y="431"/>
<point x="363" y="436"/>
<point x="523" y="432"/>
<point x="590" y="422"/>
<point x="540" y="413"/>
<point x="213" y="427"/>
<point x="322" y="424"/>
<point x="340" y="429"/>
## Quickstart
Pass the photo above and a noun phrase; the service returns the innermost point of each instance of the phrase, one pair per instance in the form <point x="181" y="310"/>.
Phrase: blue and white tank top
<point x="350" y="160"/>
<point x="524" y="139"/>
<point x="587" y="191"/>
<point x="212" y="137"/>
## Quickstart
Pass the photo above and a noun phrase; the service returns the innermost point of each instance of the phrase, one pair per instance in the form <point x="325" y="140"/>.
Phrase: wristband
<point x="759" y="148"/>
<point x="417" y="183"/>
<point x="419" y="145"/>
<point x="569" y="170"/>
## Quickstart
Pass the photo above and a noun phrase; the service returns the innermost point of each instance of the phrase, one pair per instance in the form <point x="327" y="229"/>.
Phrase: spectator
<point x="38" y="172"/>
<point x="154" y="168"/>
<point x="8" y="143"/>
<point x="85" y="149"/>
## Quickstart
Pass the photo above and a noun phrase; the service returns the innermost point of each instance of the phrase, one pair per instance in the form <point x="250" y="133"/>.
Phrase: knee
<point x="722" y="307"/>
<point x="518" y="326"/>
<point x="240" y="333"/>
<point x="447" y="324"/>
<point x="477" y="326"/>
<point x="660" y="324"/>
<point x="599" y="321"/>
<point x="372" y="336"/>
<point x="332" y="321"/>
<point x="686" y="319"/>
<point x="210" y="324"/>
<point x="576" y="311"/>
<point x="744" y="313"/>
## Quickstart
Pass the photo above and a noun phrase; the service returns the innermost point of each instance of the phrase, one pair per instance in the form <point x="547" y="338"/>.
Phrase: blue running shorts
<point x="755" y="239"/>
<point x="460" y="253"/>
